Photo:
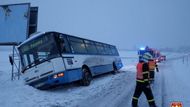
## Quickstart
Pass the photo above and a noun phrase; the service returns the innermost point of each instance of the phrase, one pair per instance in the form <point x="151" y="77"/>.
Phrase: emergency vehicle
<point x="156" y="55"/>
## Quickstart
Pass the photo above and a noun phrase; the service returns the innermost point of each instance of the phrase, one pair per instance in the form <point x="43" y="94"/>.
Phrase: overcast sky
<point x="124" y="23"/>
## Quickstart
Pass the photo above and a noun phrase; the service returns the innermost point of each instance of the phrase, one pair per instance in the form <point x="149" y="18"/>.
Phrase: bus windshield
<point x="38" y="50"/>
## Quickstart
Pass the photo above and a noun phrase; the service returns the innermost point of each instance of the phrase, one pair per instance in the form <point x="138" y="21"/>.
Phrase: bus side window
<point x="114" y="50"/>
<point x="77" y="45"/>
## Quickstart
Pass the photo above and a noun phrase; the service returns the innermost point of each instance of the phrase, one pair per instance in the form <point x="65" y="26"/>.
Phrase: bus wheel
<point x="87" y="77"/>
<point x="114" y="69"/>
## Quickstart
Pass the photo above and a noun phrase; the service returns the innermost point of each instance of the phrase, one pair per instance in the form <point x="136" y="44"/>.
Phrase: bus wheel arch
<point x="86" y="76"/>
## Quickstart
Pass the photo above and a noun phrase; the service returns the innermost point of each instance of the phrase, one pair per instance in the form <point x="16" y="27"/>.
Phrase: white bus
<point x="53" y="58"/>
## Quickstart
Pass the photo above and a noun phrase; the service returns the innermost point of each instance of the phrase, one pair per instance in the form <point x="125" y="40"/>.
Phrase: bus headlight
<point x="58" y="75"/>
<point x="55" y="76"/>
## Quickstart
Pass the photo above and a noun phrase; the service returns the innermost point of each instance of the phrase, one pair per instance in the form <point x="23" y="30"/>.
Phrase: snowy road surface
<point x="171" y="84"/>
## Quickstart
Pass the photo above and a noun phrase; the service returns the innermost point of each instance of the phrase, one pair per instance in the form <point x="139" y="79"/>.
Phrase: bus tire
<point x="87" y="77"/>
<point x="114" y="68"/>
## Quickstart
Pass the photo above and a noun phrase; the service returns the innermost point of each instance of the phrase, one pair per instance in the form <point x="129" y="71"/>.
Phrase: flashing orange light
<point x="60" y="74"/>
<point x="176" y="104"/>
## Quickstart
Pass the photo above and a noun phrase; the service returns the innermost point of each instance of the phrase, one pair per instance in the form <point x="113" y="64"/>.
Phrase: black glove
<point x="157" y="69"/>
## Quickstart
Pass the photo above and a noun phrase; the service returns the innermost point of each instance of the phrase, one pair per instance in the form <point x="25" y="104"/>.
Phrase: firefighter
<point x="152" y="65"/>
<point x="142" y="83"/>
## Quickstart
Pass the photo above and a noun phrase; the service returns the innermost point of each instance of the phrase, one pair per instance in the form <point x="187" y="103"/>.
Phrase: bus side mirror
<point x="11" y="60"/>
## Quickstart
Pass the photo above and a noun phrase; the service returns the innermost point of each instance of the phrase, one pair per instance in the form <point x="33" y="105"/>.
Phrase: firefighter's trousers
<point x="142" y="87"/>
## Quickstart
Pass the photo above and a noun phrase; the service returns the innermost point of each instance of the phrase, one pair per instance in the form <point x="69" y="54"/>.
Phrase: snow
<point x="108" y="90"/>
<point x="176" y="79"/>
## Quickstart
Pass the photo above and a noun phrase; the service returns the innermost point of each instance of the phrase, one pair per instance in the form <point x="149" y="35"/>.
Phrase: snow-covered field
<point x="108" y="90"/>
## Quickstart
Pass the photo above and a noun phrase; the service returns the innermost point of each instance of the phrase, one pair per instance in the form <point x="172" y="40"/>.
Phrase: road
<point x="119" y="91"/>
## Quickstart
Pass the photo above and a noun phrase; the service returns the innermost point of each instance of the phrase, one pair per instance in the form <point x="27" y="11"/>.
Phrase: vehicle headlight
<point x="58" y="75"/>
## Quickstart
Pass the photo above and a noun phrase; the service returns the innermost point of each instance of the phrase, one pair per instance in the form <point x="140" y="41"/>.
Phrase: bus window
<point x="100" y="48"/>
<point x="78" y="45"/>
<point x="53" y="52"/>
<point x="31" y="58"/>
<point x="114" y="50"/>
<point x="25" y="61"/>
<point x="90" y="46"/>
<point x="107" y="49"/>
<point x="40" y="49"/>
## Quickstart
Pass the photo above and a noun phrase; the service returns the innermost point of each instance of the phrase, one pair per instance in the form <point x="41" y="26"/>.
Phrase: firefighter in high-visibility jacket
<point x="152" y="65"/>
<point x="142" y="84"/>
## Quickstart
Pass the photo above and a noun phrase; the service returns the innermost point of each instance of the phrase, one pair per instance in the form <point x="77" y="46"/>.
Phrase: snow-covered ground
<point x="108" y="90"/>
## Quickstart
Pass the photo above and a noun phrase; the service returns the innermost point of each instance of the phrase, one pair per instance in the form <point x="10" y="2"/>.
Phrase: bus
<point x="53" y="58"/>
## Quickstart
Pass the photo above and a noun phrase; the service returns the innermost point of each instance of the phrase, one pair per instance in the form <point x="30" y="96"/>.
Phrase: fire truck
<point x="156" y="55"/>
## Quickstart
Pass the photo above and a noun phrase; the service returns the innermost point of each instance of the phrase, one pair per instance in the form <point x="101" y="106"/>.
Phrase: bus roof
<point x="38" y="34"/>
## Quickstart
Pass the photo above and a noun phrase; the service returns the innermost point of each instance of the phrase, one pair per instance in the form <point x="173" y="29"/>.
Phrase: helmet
<point x="146" y="56"/>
